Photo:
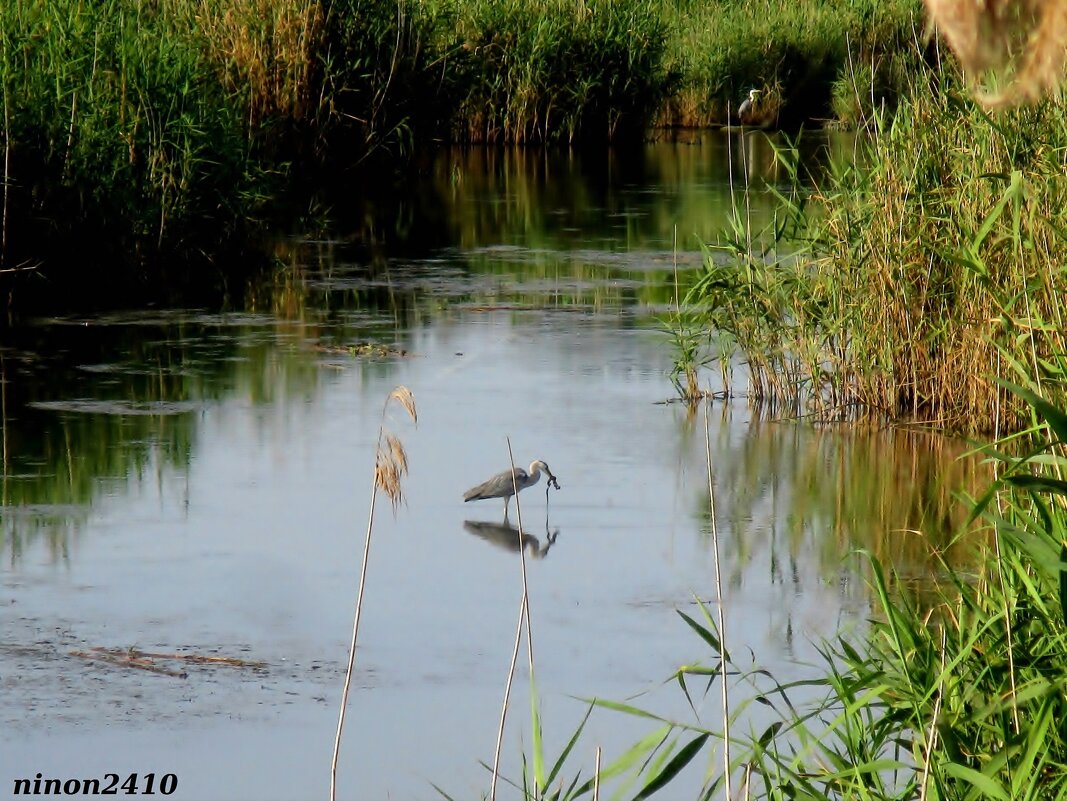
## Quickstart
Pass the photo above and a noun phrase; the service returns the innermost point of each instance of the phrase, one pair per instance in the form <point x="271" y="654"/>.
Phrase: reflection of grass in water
<point x="56" y="462"/>
<point x="56" y="528"/>
<point x="831" y="491"/>
<point x="552" y="278"/>
<point x="576" y="230"/>
<point x="407" y="295"/>
<point x="84" y="432"/>
<point x="541" y="199"/>
<point x="958" y="695"/>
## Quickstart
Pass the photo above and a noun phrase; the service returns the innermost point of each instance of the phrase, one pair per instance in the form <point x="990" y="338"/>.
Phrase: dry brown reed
<point x="596" y="775"/>
<point x="267" y="49"/>
<point x="1023" y="43"/>
<point x="524" y="618"/>
<point x="523" y="610"/>
<point x="390" y="465"/>
<point x="954" y="253"/>
<point x="720" y="607"/>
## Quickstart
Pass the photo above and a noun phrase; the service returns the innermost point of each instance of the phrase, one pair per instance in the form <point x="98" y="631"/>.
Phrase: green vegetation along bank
<point x="145" y="144"/>
<point x="911" y="284"/>
<point x="955" y="698"/>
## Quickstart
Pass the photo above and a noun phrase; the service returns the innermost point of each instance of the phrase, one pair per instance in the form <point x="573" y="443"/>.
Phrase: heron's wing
<point x="498" y="486"/>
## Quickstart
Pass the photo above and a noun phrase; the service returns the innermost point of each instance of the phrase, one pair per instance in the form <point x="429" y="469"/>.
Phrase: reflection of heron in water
<point x="503" y="485"/>
<point x="504" y="536"/>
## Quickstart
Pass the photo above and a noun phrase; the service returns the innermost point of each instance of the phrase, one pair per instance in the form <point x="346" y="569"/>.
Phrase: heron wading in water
<point x="504" y="485"/>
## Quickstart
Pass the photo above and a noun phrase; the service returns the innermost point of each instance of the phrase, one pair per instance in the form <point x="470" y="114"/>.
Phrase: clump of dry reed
<point x="948" y="266"/>
<point x="266" y="51"/>
<point x="1022" y="42"/>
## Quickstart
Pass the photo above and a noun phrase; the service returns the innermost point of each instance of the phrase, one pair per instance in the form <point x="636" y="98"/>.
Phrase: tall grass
<point x="119" y="142"/>
<point x="560" y="69"/>
<point x="927" y="270"/>
<point x="265" y="50"/>
<point x="137" y="132"/>
<point x="950" y="248"/>
<point x="803" y="53"/>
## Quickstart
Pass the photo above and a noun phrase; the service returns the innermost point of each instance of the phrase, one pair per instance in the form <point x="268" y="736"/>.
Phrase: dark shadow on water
<point x="508" y="537"/>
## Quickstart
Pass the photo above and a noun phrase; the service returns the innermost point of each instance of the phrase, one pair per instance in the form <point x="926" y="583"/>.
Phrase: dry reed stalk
<point x="522" y="562"/>
<point x="719" y="605"/>
<point x="934" y="329"/>
<point x="507" y="696"/>
<point x="1005" y="594"/>
<point x="931" y="737"/>
<point x="596" y="775"/>
<point x="524" y="617"/>
<point x="3" y="419"/>
<point x="1024" y="41"/>
<point x="389" y="467"/>
<point x="232" y="661"/>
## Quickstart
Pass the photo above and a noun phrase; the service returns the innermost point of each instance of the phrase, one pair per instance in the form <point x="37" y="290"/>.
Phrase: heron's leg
<point x="507" y="503"/>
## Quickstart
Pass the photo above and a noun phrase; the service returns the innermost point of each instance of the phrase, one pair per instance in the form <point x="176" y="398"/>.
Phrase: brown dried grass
<point x="391" y="461"/>
<point x="403" y="396"/>
<point x="267" y="49"/>
<point x="954" y="267"/>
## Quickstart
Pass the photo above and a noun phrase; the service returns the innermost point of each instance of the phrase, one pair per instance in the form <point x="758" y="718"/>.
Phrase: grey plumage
<point x="747" y="107"/>
<point x="502" y="485"/>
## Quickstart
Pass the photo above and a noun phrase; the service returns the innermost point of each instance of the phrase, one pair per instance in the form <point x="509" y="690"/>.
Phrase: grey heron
<point x="746" y="111"/>
<point x="502" y="485"/>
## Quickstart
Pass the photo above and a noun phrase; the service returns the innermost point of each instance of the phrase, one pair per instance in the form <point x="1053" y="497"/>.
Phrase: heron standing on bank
<point x="504" y="485"/>
<point x="746" y="112"/>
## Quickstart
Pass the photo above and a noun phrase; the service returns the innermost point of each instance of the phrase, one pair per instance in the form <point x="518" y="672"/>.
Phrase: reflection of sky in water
<point x="256" y="550"/>
<point x="245" y="540"/>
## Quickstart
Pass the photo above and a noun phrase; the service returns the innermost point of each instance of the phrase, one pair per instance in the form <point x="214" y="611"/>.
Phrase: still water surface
<point x="197" y="481"/>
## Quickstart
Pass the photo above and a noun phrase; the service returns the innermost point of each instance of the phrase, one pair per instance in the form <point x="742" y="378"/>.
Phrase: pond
<point x="196" y="483"/>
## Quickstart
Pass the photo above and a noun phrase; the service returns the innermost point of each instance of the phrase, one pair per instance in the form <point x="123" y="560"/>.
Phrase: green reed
<point x="137" y="132"/>
<point x="552" y="70"/>
<point x="957" y="694"/>
<point x="114" y="128"/>
<point x="959" y="698"/>
<point x="949" y="249"/>
<point x="908" y="282"/>
<point x="756" y="298"/>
